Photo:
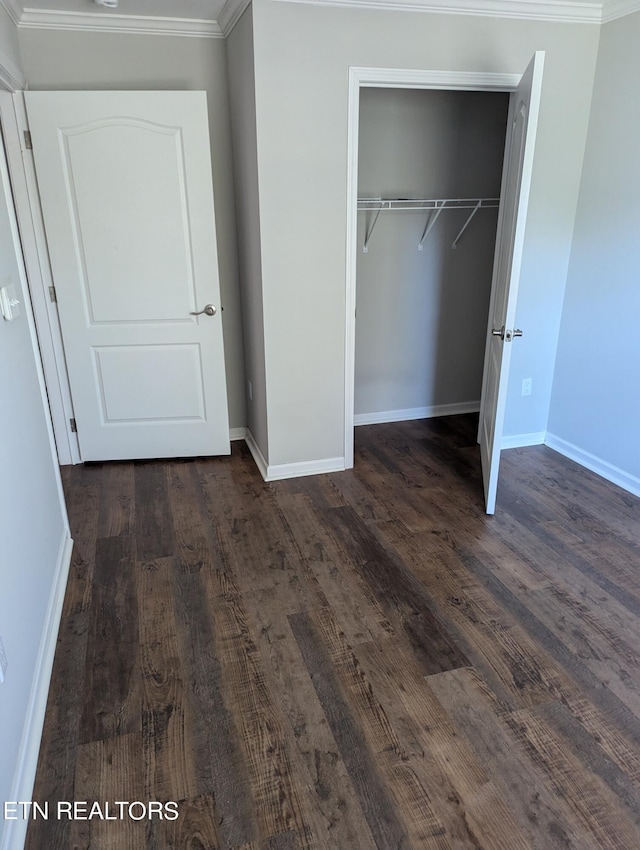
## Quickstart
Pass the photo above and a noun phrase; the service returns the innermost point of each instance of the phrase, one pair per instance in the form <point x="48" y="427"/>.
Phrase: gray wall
<point x="596" y="392"/>
<point x="87" y="60"/>
<point x="302" y="56"/>
<point x="32" y="520"/>
<point x="422" y="315"/>
<point x="243" y="125"/>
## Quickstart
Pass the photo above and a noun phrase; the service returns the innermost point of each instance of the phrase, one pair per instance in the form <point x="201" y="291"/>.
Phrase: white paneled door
<point x="127" y="198"/>
<point x="516" y="181"/>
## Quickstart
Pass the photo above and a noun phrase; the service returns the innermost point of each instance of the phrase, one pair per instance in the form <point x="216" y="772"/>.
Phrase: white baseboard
<point x="237" y="433"/>
<point x="279" y="471"/>
<point x="518" y="441"/>
<point x="595" y="464"/>
<point x="382" y="416"/>
<point x="259" y="458"/>
<point x="22" y="789"/>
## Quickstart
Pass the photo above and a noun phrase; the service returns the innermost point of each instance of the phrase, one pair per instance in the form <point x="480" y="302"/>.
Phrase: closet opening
<point x="463" y="153"/>
<point x="429" y="178"/>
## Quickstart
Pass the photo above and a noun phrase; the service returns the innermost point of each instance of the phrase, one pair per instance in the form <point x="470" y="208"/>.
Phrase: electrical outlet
<point x="526" y="386"/>
<point x="3" y="662"/>
<point x="250" y="388"/>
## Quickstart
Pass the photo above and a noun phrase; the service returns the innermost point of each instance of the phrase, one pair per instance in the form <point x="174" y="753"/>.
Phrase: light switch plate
<point x="9" y="302"/>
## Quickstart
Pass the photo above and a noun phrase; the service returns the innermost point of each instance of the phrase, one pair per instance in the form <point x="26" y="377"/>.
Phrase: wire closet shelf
<point x="433" y="205"/>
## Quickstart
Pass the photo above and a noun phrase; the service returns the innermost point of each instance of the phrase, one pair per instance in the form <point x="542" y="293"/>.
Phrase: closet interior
<point x="429" y="175"/>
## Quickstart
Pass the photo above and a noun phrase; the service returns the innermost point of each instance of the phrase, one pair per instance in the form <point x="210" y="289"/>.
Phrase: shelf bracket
<point x="432" y="220"/>
<point x="365" y="247"/>
<point x="466" y="224"/>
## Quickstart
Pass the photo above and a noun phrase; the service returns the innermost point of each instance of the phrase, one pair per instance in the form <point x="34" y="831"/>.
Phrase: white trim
<point x="519" y="441"/>
<point x="24" y="777"/>
<point x="237" y="434"/>
<point x="408" y="78"/>
<point x="11" y="78"/>
<point x="571" y="11"/>
<point x="36" y="258"/>
<point x="6" y="117"/>
<point x="130" y="24"/>
<point x="614" y="9"/>
<point x="594" y="463"/>
<point x="387" y="78"/>
<point x="259" y="458"/>
<point x="231" y="13"/>
<point x="279" y="471"/>
<point x="13" y="8"/>
<point x="406" y="415"/>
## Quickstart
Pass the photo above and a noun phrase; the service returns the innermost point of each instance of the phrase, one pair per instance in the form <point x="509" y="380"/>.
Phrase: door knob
<point x="209" y="310"/>
<point x="498" y="332"/>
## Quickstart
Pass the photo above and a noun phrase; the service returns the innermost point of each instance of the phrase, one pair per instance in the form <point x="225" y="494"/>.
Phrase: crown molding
<point x="11" y="77"/>
<point x="108" y="22"/>
<point x="570" y="11"/>
<point x="231" y="13"/>
<point x="614" y="9"/>
<point x="13" y="9"/>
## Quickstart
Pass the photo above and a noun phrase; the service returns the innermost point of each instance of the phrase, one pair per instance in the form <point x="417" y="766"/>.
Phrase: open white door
<point x="127" y="198"/>
<point x="516" y="182"/>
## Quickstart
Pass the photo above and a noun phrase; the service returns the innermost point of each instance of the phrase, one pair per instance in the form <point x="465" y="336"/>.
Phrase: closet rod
<point x="435" y="205"/>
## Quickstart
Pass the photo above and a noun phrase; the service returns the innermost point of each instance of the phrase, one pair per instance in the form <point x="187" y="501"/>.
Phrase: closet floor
<point x="353" y="661"/>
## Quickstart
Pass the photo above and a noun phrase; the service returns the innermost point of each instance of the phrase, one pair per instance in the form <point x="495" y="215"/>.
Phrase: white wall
<point x="245" y="170"/>
<point x="422" y="315"/>
<point x="596" y="394"/>
<point x="302" y="56"/>
<point x="88" y="60"/>
<point x="33" y="528"/>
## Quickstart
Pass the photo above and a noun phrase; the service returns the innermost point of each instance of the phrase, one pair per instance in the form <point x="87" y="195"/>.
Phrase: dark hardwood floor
<point x="352" y="661"/>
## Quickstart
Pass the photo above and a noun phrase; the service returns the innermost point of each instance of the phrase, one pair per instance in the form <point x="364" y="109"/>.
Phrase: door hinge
<point x="52" y="294"/>
<point x="27" y="140"/>
<point x="74" y="427"/>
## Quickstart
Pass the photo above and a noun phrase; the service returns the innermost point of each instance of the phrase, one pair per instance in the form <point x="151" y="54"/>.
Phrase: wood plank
<point x="276" y="799"/>
<point x="376" y="802"/>
<point x="468" y="801"/>
<point x="112" y="692"/>
<point x="593" y="804"/>
<point x="109" y="771"/>
<point x="328" y="798"/>
<point x="400" y="595"/>
<point x="544" y="817"/>
<point x="195" y="829"/>
<point x="169" y="771"/>
<point x="117" y="507"/>
<point x="218" y="761"/>
<point x="321" y="560"/>
<point x="153" y="527"/>
<point x="620" y="773"/>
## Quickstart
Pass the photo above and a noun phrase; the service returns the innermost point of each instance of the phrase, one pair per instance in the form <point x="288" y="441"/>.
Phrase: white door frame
<point x="390" y="78"/>
<point x="36" y="258"/>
